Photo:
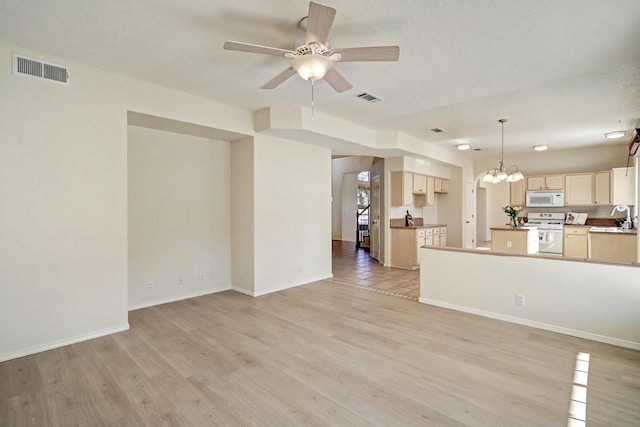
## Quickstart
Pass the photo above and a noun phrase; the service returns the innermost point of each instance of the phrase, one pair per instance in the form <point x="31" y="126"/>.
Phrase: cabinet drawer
<point x="428" y="231"/>
<point x="582" y="231"/>
<point x="420" y="232"/>
<point x="443" y="230"/>
<point x="436" y="231"/>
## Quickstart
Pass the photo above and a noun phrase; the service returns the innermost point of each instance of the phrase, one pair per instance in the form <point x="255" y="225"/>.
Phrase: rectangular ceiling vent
<point x="368" y="97"/>
<point x="31" y="67"/>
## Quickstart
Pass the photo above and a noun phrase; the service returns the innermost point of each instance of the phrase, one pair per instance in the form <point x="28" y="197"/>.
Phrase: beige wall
<point x="63" y="198"/>
<point x="584" y="299"/>
<point x="292" y="213"/>
<point x="242" y="216"/>
<point x="179" y="216"/>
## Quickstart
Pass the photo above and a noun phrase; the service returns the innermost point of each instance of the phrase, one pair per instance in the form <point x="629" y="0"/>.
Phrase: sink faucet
<point x="622" y="208"/>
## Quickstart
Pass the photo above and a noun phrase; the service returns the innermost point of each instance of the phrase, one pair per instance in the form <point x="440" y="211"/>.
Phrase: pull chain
<point x="313" y="119"/>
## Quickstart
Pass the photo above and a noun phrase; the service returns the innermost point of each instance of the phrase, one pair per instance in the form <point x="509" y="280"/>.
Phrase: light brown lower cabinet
<point x="575" y="244"/>
<point x="406" y="244"/>
<point x="614" y="247"/>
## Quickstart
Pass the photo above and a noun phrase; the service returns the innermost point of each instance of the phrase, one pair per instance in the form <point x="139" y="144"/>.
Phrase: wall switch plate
<point x="149" y="286"/>
<point x="520" y="299"/>
<point x="180" y="280"/>
<point x="201" y="277"/>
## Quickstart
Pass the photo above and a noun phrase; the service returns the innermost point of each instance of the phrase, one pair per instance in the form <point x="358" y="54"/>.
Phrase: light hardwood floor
<point x="320" y="354"/>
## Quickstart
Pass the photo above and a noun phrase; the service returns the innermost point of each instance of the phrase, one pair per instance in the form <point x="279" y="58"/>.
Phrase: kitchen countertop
<point x="414" y="227"/>
<point x="611" y="231"/>
<point x="509" y="228"/>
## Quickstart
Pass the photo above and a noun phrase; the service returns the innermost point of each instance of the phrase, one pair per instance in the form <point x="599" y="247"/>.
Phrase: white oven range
<point x="550" y="227"/>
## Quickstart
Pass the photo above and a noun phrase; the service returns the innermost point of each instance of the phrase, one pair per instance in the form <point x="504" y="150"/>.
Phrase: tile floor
<point x="355" y="267"/>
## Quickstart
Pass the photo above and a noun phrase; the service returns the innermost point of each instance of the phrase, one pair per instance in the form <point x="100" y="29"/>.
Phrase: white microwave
<point x="545" y="199"/>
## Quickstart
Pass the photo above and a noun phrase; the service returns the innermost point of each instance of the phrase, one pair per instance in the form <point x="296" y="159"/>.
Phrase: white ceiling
<point x="562" y="72"/>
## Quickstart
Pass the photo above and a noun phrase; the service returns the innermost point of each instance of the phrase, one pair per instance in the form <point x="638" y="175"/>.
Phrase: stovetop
<point x="548" y="221"/>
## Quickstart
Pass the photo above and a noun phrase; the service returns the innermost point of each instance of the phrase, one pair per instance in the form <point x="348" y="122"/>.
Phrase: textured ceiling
<point x="562" y="72"/>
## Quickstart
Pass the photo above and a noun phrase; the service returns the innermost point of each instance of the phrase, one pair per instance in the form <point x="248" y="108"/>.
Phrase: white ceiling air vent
<point x="31" y="67"/>
<point x="368" y="97"/>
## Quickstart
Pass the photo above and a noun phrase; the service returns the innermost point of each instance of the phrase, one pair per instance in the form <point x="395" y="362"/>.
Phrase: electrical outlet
<point x="520" y="299"/>
<point x="180" y="281"/>
<point x="201" y="277"/>
<point x="149" y="286"/>
<point x="509" y="244"/>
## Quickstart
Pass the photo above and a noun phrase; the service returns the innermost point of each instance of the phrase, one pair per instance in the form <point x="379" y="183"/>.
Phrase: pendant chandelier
<point x="500" y="174"/>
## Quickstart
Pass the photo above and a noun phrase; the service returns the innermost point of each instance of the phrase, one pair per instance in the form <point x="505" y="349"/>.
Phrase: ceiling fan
<point x="313" y="61"/>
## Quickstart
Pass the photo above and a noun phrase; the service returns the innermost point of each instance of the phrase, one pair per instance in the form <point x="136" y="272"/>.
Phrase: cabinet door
<point x="535" y="183"/>
<point x="578" y="189"/>
<point x="445" y="186"/>
<point x="575" y="246"/>
<point x="517" y="193"/>
<point x="401" y="188"/>
<point x="554" y="182"/>
<point x="622" y="186"/>
<point x="443" y="236"/>
<point x="419" y="184"/>
<point x="602" y="188"/>
<point x="431" y="198"/>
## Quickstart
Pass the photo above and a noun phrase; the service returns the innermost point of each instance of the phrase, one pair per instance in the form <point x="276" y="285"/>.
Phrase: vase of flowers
<point x="513" y="212"/>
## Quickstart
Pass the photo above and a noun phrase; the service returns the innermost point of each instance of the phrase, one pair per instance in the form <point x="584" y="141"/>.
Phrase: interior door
<point x="374" y="222"/>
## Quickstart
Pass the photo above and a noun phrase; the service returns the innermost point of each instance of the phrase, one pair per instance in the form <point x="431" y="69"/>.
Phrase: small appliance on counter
<point x="574" y="218"/>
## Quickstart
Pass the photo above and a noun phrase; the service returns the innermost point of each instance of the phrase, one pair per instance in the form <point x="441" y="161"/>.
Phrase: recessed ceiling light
<point x="616" y="134"/>
<point x="463" y="146"/>
<point x="540" y="147"/>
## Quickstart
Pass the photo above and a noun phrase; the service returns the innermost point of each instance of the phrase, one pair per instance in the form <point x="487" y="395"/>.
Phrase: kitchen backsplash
<point x="592" y="211"/>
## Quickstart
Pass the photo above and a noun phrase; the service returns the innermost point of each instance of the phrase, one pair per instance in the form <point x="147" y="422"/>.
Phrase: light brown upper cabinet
<point x="419" y="184"/>
<point x="547" y="182"/>
<point x="602" y="188"/>
<point x="622" y="186"/>
<point x="401" y="188"/>
<point x="441" y="185"/>
<point x="578" y="189"/>
<point x="517" y="193"/>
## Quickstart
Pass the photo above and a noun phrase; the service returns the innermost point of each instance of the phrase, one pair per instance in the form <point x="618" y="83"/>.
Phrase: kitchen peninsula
<point x="515" y="240"/>
<point x="406" y="241"/>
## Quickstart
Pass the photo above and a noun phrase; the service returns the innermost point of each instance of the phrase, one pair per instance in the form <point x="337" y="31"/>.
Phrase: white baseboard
<point x="63" y="342"/>
<point x="279" y="288"/>
<point x="534" y="324"/>
<point x="175" y="298"/>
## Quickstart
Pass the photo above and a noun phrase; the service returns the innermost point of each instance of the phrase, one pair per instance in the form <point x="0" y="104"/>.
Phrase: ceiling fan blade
<point x="373" y="53"/>
<point x="337" y="81"/>
<point x="279" y="79"/>
<point x="254" y="48"/>
<point x="319" y="23"/>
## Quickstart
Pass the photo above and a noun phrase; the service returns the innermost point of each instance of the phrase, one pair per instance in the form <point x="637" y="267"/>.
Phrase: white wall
<point x="243" y="216"/>
<point x="585" y="299"/>
<point x="292" y="213"/>
<point x="349" y="205"/>
<point x="179" y="216"/>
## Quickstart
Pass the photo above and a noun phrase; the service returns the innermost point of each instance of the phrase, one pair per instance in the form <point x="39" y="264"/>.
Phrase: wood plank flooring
<point x="320" y="354"/>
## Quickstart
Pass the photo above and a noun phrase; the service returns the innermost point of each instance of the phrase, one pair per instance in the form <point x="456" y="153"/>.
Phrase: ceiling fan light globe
<point x="312" y="66"/>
